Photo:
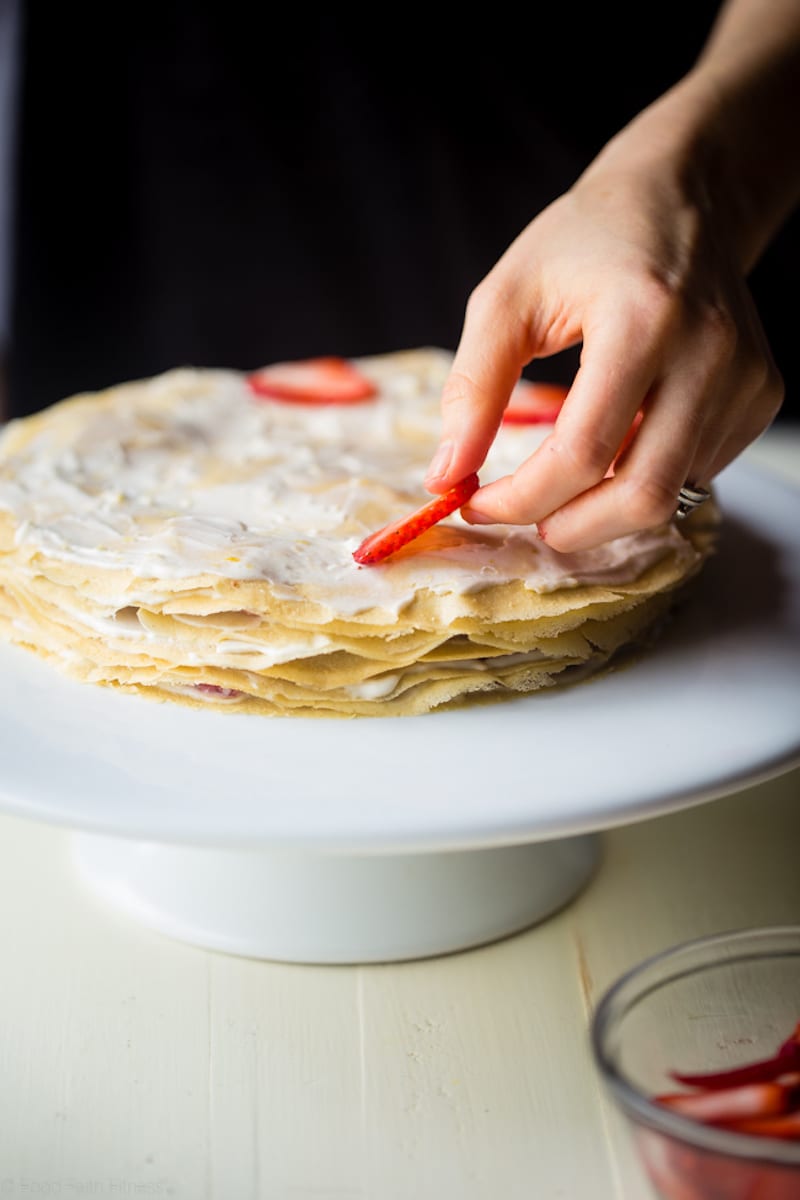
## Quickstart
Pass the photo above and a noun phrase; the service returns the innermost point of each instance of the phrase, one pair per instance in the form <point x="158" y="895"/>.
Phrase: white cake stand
<point x="385" y="839"/>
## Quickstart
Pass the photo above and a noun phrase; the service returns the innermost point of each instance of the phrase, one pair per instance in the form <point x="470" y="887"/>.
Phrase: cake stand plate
<point x="314" y="840"/>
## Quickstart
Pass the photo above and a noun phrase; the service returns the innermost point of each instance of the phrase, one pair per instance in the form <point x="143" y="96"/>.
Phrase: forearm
<point x="643" y="263"/>
<point x="729" y="132"/>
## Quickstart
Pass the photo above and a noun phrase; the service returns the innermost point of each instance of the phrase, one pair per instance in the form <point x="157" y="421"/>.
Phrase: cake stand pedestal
<point x="335" y="907"/>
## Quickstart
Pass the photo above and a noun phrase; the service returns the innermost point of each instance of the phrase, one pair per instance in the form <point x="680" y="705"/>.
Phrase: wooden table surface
<point x="132" y="1065"/>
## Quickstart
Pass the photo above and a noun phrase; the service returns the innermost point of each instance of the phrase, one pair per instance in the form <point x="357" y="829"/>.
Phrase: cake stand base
<point x="309" y="907"/>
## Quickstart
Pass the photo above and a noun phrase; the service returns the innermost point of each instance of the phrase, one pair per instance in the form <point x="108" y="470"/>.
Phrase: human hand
<point x="632" y="264"/>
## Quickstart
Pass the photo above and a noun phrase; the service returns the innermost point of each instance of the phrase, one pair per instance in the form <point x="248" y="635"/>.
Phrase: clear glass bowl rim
<point x="676" y="962"/>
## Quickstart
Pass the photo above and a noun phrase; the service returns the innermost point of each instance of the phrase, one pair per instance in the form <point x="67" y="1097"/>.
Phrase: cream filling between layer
<point x="189" y="473"/>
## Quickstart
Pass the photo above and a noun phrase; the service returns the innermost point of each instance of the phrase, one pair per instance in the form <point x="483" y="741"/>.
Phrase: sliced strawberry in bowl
<point x="786" y="1060"/>
<point x="725" y="1105"/>
<point x="535" y="403"/>
<point x="782" y="1125"/>
<point x="313" y="381"/>
<point x="396" y="534"/>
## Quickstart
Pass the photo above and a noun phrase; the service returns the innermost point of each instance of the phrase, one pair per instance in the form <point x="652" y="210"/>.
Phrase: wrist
<point x="717" y="146"/>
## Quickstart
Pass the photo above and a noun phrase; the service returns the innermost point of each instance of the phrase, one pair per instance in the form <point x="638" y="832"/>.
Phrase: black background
<point x="230" y="186"/>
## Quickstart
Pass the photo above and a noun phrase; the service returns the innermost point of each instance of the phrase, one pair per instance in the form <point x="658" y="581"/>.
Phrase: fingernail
<point x="476" y="518"/>
<point x="440" y="462"/>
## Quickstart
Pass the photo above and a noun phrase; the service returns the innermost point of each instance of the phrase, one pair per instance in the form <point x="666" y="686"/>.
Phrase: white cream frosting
<point x="190" y="473"/>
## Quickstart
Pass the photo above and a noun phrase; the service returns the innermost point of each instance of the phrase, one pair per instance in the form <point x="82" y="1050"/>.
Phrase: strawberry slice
<point x="784" y="1125"/>
<point x="749" y="1101"/>
<point x="392" y="537"/>
<point x="534" y="403"/>
<point x="792" y="1044"/>
<point x="787" y="1058"/>
<point x="540" y="404"/>
<point x="313" y="381"/>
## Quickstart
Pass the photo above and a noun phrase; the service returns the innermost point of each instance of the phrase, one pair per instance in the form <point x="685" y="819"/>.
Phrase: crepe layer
<point x="185" y="539"/>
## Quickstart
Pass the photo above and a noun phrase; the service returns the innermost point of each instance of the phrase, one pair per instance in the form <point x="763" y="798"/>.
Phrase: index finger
<point x="488" y="363"/>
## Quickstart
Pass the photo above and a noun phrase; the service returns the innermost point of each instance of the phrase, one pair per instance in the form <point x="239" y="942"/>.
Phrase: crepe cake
<point x="190" y="538"/>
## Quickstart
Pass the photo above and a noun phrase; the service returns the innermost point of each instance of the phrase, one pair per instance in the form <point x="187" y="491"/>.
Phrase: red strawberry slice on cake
<point x="534" y="403"/>
<point x="540" y="404"/>
<point x="392" y="537"/>
<point x="313" y="381"/>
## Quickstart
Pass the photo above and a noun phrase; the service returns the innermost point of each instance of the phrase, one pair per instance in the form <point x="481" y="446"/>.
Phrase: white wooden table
<point x="132" y="1065"/>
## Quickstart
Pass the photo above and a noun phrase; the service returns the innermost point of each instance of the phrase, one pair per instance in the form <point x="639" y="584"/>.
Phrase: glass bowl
<point x="708" y="1005"/>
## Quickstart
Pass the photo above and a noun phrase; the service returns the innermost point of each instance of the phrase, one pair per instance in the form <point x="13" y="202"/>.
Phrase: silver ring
<point x="690" y="497"/>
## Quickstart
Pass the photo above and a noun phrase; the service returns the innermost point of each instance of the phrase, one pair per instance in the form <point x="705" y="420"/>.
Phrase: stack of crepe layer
<point x="242" y="644"/>
<point x="184" y="645"/>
